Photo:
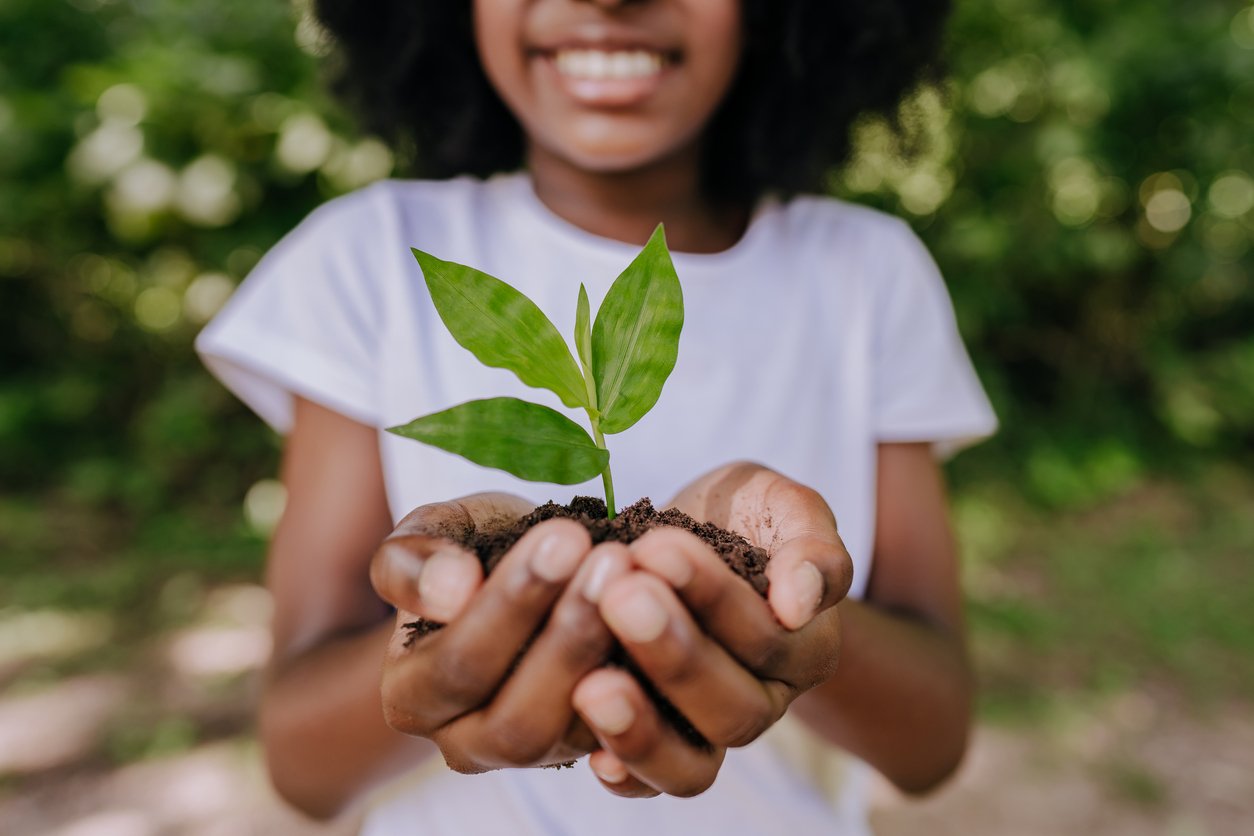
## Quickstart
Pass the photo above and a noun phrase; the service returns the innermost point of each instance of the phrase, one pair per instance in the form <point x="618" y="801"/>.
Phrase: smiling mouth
<point x="606" y="76"/>
<point x="609" y="65"/>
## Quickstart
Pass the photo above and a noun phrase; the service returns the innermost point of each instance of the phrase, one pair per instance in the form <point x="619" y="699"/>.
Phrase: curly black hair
<point x="810" y="68"/>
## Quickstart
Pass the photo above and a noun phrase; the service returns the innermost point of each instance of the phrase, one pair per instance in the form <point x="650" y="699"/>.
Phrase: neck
<point x="627" y="206"/>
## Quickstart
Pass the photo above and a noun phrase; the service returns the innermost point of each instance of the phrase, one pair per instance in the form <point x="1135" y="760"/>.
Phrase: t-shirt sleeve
<point x="924" y="386"/>
<point x="305" y="322"/>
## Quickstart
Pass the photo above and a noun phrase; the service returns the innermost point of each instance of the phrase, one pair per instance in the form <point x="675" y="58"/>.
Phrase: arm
<point x="321" y="722"/>
<point x="901" y="697"/>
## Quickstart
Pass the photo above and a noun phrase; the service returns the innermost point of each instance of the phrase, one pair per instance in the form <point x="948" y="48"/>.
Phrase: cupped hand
<point x="469" y="687"/>
<point x="728" y="660"/>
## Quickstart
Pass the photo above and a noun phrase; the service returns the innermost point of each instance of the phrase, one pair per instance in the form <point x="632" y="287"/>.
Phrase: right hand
<point x="469" y="687"/>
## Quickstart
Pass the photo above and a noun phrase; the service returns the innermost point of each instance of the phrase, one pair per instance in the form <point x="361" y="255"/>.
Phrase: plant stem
<point x="606" y="479"/>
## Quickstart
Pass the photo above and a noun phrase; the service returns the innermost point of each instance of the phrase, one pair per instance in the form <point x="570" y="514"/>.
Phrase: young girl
<point x="818" y="341"/>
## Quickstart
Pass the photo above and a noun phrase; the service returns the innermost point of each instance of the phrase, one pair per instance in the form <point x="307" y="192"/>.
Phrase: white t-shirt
<point x="825" y="330"/>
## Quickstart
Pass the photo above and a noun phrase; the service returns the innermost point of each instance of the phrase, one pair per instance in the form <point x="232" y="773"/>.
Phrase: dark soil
<point x="741" y="556"/>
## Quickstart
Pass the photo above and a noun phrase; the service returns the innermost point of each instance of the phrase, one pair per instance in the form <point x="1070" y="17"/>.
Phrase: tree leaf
<point x="583" y="333"/>
<point x="528" y="440"/>
<point x="502" y="328"/>
<point x="635" y="339"/>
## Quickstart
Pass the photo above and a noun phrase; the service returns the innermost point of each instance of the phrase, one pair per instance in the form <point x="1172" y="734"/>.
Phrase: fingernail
<point x="401" y="561"/>
<point x="611" y="715"/>
<point x="612" y="773"/>
<point x="639" y="617"/>
<point x="555" y="558"/>
<point x="598" y="577"/>
<point x="808" y="590"/>
<point x="444" y="585"/>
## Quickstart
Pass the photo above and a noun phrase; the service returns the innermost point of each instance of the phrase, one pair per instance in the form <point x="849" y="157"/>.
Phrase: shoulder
<point x="840" y="221"/>
<point x="855" y="244"/>
<point x="858" y="248"/>
<point x="390" y="205"/>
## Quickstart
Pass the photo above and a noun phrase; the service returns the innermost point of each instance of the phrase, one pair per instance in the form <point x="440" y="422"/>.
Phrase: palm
<point x="759" y="504"/>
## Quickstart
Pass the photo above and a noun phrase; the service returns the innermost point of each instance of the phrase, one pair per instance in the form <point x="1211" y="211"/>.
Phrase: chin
<point x="610" y="151"/>
<point x="610" y="160"/>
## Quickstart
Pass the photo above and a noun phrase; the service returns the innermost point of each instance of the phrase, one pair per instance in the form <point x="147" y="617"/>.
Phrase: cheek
<point x="498" y="39"/>
<point x="716" y="56"/>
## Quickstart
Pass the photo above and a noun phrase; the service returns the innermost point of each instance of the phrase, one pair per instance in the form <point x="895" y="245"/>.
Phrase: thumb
<point x="808" y="574"/>
<point x="432" y="577"/>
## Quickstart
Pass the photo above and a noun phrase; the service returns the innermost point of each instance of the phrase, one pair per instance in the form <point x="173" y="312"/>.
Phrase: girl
<point x="819" y="340"/>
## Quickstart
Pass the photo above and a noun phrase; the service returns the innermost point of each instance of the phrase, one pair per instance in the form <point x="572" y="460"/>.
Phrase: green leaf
<point x="635" y="339"/>
<point x="528" y="440"/>
<point x="502" y="327"/>
<point x="583" y="333"/>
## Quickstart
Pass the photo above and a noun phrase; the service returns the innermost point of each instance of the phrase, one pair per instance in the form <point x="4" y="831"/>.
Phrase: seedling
<point x="624" y="359"/>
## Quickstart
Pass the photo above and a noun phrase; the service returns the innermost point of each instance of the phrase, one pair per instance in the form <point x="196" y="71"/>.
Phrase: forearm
<point x="900" y="699"/>
<point x="322" y="724"/>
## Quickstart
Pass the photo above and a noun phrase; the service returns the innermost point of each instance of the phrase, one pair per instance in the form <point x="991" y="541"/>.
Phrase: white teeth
<point x="600" y="65"/>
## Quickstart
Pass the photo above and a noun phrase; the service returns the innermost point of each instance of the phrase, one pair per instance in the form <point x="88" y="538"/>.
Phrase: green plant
<point x="624" y="358"/>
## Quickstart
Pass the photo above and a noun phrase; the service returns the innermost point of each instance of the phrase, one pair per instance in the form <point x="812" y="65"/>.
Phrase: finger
<point x="527" y="721"/>
<point x="809" y="574"/>
<point x="613" y="775"/>
<point x="726" y="703"/>
<point x="629" y="727"/>
<point x="458" y="668"/>
<point x="422" y="568"/>
<point x="735" y="616"/>
<point x="725" y="605"/>
<point x="458" y="519"/>
<point x="429" y="576"/>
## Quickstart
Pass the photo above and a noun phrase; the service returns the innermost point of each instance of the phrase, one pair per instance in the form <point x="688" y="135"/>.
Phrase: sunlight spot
<point x="363" y="163"/>
<point x="206" y="295"/>
<point x="1077" y="192"/>
<point x="220" y="651"/>
<point x="1168" y="210"/>
<point x="57" y="726"/>
<point x="104" y="152"/>
<point x="1009" y="88"/>
<point x="50" y="634"/>
<point x="922" y="192"/>
<point x="206" y="192"/>
<point x="245" y="604"/>
<point x="157" y="308"/>
<point x="122" y="104"/>
<point x="198" y="789"/>
<point x="170" y="267"/>
<point x="144" y="187"/>
<point x="304" y="143"/>
<point x="1232" y="194"/>
<point x="263" y="505"/>
<point x="311" y="37"/>
<point x="111" y="823"/>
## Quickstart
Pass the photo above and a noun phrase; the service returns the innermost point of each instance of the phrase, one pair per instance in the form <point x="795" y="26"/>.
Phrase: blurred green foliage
<point x="1083" y="179"/>
<point x="1086" y="185"/>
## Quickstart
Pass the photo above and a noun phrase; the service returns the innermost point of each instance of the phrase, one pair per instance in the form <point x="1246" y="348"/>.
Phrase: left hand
<point x="728" y="660"/>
